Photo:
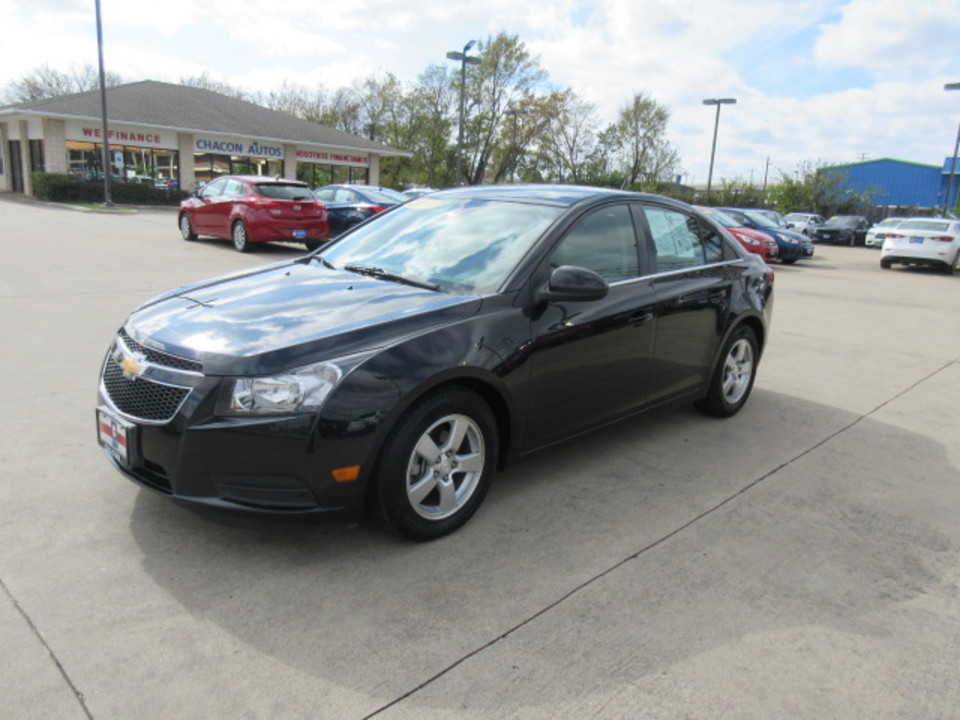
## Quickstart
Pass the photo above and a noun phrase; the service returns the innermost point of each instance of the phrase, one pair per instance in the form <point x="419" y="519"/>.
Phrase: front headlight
<point x="301" y="390"/>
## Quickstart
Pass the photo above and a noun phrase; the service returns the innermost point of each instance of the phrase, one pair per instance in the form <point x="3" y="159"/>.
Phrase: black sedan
<point x="843" y="230"/>
<point x="349" y="205"/>
<point x="396" y="368"/>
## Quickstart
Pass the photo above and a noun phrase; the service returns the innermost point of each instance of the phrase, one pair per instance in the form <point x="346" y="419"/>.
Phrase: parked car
<point x="251" y="209"/>
<point x="804" y="222"/>
<point x="878" y="233"/>
<point x="843" y="230"/>
<point x="397" y="367"/>
<point x="791" y="245"/>
<point x="752" y="241"/>
<point x="923" y="241"/>
<point x="349" y="205"/>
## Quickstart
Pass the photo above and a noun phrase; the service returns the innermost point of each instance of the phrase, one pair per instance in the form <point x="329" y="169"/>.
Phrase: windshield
<point x="761" y="220"/>
<point x="464" y="245"/>
<point x="889" y="222"/>
<point x="844" y="220"/>
<point x="721" y="218"/>
<point x="797" y="217"/>
<point x="283" y="191"/>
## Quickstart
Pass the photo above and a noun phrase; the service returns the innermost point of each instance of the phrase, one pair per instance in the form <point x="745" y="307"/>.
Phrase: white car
<point x="878" y="233"/>
<point x="923" y="241"/>
<point x="804" y="222"/>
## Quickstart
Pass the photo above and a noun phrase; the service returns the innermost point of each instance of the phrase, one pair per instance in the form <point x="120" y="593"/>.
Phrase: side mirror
<point x="570" y="282"/>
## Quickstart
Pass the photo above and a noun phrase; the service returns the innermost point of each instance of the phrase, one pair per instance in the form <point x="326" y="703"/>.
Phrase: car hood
<point x="290" y="314"/>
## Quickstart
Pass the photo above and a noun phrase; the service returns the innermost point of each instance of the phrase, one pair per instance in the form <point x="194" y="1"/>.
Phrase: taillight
<point x="942" y="238"/>
<point x="378" y="208"/>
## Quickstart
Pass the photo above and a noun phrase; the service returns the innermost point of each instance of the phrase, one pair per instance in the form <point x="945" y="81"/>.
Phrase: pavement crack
<point x="53" y="656"/>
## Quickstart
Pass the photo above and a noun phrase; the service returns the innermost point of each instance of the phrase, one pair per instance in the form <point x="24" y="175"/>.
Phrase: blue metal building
<point x="900" y="183"/>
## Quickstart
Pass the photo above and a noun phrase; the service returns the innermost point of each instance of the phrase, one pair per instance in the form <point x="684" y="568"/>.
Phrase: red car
<point x="752" y="240"/>
<point x="251" y="209"/>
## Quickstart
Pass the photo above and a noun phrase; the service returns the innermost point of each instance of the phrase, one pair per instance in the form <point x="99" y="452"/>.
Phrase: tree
<point x="45" y="82"/>
<point x="818" y="188"/>
<point x="505" y="77"/>
<point x="636" y="144"/>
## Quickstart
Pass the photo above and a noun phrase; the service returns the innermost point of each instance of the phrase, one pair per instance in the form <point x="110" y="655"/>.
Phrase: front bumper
<point x="182" y="449"/>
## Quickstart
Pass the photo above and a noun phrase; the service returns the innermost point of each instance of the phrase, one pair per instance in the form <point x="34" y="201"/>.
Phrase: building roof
<point x="880" y="160"/>
<point x="189" y="109"/>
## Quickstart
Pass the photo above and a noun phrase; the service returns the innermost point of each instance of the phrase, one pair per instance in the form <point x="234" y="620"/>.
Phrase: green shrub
<point x="57" y="187"/>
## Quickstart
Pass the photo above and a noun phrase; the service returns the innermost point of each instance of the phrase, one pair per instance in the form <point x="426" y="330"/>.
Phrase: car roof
<point x="558" y="195"/>
<point x="262" y="179"/>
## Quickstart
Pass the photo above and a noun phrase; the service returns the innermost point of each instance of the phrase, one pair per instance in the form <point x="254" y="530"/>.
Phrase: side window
<point x="677" y="240"/>
<point x="233" y="188"/>
<point x="604" y="241"/>
<point x="213" y="190"/>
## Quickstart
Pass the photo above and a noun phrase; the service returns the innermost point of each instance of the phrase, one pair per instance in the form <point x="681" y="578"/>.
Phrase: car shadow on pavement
<point x="640" y="550"/>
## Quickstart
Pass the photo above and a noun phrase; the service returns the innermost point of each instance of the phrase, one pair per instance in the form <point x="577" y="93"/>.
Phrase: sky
<point x="816" y="81"/>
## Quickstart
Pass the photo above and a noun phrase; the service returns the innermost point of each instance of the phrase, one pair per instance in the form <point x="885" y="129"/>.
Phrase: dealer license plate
<point x="115" y="435"/>
<point x="299" y="234"/>
<point x="918" y="240"/>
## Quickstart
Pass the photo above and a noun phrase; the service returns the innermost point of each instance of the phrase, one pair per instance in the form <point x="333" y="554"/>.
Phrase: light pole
<point x="948" y="200"/>
<point x="716" y="123"/>
<point x="107" y="165"/>
<point x="513" y="141"/>
<point x="464" y="60"/>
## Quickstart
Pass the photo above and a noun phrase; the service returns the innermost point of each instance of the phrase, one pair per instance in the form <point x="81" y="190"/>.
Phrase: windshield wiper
<point x="378" y="272"/>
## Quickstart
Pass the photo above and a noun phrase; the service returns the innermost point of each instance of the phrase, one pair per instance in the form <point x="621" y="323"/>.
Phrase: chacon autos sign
<point x="225" y="145"/>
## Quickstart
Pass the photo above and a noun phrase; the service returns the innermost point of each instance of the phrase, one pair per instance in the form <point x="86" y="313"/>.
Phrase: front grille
<point x="141" y="398"/>
<point x="160" y="358"/>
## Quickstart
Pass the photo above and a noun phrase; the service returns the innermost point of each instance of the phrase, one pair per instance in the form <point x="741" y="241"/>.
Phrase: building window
<point x="209" y="166"/>
<point x="37" y="163"/>
<point x="130" y="164"/>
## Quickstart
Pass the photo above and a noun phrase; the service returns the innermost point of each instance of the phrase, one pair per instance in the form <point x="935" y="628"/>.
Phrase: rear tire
<point x="886" y="264"/>
<point x="312" y="245"/>
<point x="436" y="466"/>
<point x="186" y="227"/>
<point x="241" y="240"/>
<point x="733" y="376"/>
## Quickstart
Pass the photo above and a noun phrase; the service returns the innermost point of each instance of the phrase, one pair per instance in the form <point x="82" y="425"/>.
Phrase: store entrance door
<point x="16" y="165"/>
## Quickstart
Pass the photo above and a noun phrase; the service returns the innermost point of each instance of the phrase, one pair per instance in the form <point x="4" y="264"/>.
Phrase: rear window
<point x="925" y="225"/>
<point x="284" y="191"/>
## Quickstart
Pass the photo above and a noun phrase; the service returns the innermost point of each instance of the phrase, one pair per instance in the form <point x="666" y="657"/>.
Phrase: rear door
<point x="693" y="277"/>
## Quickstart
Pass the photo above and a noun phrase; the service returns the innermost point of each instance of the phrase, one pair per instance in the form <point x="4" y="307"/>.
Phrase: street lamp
<point x="464" y="60"/>
<point x="953" y="165"/>
<point x="107" y="165"/>
<point x="513" y="140"/>
<point x="716" y="123"/>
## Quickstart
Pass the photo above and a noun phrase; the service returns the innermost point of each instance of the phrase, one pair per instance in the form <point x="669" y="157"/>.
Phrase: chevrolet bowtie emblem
<point x="131" y="365"/>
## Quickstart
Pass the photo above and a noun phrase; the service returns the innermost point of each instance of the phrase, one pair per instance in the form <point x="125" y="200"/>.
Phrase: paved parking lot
<point x="798" y="560"/>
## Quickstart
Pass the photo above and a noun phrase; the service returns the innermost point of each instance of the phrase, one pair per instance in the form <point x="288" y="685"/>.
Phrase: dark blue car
<point x="792" y="245"/>
<point x="349" y="205"/>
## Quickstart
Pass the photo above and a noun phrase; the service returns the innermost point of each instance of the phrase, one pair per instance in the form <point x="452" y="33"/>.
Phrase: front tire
<point x="241" y="239"/>
<point x="733" y="376"/>
<point x="436" y="466"/>
<point x="186" y="227"/>
<point x="885" y="264"/>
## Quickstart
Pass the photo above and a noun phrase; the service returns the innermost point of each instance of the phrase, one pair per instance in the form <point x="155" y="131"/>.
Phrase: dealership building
<point x="177" y="136"/>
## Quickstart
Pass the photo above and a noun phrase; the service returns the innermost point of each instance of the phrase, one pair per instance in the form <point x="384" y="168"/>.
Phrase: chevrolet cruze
<point x="397" y="368"/>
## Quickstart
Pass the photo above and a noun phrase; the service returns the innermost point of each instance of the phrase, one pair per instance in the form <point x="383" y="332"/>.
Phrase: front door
<point x="588" y="360"/>
<point x="16" y="166"/>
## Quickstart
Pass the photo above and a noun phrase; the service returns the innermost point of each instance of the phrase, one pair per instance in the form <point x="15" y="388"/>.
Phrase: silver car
<point x="878" y="233"/>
